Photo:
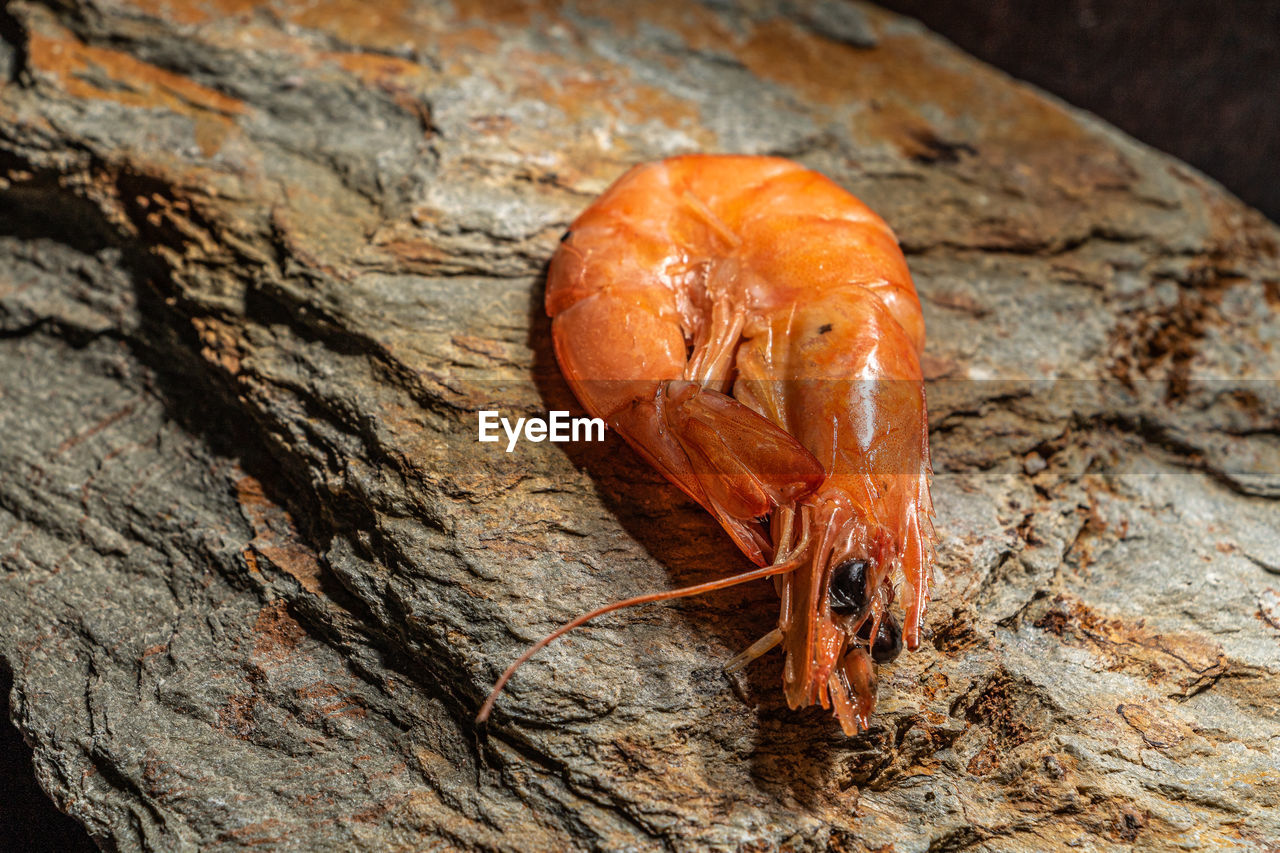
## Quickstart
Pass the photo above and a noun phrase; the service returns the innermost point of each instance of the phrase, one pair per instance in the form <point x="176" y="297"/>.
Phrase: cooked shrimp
<point x="751" y="329"/>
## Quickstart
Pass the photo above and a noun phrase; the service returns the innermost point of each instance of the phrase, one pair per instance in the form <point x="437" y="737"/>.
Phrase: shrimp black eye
<point x="848" y="594"/>
<point x="888" y="644"/>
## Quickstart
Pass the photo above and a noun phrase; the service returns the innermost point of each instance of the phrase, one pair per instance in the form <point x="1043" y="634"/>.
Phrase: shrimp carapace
<point x="751" y="329"/>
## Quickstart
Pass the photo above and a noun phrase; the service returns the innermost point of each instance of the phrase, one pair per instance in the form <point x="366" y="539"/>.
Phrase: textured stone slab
<point x="263" y="263"/>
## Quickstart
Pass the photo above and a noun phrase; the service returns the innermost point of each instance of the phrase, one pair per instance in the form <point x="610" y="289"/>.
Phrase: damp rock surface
<point x="263" y="264"/>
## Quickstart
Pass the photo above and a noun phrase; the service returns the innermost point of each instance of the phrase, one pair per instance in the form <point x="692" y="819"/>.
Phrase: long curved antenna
<point x="733" y="580"/>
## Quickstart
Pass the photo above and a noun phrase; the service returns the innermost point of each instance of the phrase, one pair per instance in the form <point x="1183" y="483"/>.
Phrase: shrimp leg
<point x="736" y="463"/>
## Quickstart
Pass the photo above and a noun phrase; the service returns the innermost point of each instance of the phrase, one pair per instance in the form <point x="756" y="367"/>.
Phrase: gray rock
<point x="262" y="267"/>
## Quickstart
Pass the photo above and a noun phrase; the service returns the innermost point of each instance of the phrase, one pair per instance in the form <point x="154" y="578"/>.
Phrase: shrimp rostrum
<point x="751" y="329"/>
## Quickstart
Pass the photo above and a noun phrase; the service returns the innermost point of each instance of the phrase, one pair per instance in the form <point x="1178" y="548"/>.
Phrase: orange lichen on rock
<point x="276" y="632"/>
<point x="382" y="24"/>
<point x="386" y="24"/>
<point x="221" y="343"/>
<point x="605" y="88"/>
<point x="101" y="74"/>
<point x="1189" y="660"/>
<point x="514" y="13"/>
<point x="376" y="68"/>
<point x="1157" y="728"/>
<point x="135" y="83"/>
<point x="329" y="700"/>
<point x="274" y="536"/>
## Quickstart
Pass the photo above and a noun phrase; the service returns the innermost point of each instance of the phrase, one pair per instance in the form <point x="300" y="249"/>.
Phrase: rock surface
<point x="262" y="265"/>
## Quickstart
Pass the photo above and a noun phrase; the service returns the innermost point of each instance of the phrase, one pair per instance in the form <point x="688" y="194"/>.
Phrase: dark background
<point x="1199" y="80"/>
<point x="28" y="821"/>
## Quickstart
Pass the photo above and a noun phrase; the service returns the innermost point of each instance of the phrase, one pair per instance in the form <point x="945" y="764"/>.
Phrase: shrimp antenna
<point x="787" y="565"/>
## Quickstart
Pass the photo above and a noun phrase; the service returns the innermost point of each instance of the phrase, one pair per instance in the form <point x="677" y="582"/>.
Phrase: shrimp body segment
<point x="751" y="329"/>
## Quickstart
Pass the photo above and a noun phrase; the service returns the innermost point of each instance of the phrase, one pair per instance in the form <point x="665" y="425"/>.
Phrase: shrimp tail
<point x="738" y="464"/>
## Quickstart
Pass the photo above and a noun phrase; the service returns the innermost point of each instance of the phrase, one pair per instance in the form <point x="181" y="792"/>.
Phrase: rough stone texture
<point x="262" y="263"/>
